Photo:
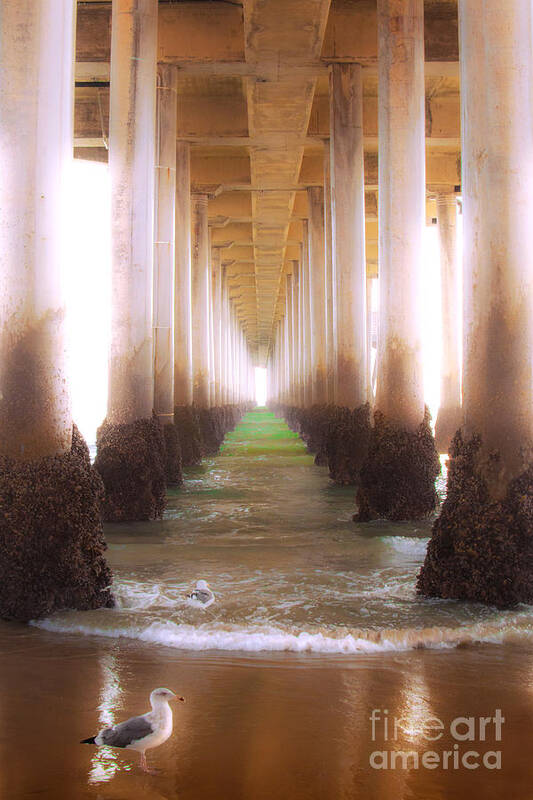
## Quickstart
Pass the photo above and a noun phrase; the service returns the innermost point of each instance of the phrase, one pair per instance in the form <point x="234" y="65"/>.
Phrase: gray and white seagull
<point x="141" y="733"/>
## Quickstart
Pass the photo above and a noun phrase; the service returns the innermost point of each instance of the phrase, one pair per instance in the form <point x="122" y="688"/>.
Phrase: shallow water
<point x="290" y="570"/>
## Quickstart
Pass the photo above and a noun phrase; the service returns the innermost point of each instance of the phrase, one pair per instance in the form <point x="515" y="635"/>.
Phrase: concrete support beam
<point x="290" y="339"/>
<point x="36" y="108"/>
<point x="131" y="453"/>
<point x="317" y="270"/>
<point x="331" y="300"/>
<point x="397" y="481"/>
<point x="307" y="352"/>
<point x="200" y="300"/>
<point x="401" y="209"/>
<point x="183" y="394"/>
<point x="348" y="224"/>
<point x="216" y="285"/>
<point x="481" y="548"/>
<point x="51" y="542"/>
<point x="450" y="416"/>
<point x="131" y="167"/>
<point x="164" y="245"/>
<point x="297" y="348"/>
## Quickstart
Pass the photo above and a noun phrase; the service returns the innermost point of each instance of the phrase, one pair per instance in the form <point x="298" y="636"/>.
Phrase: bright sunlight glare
<point x="88" y="295"/>
<point x="88" y="292"/>
<point x="260" y="386"/>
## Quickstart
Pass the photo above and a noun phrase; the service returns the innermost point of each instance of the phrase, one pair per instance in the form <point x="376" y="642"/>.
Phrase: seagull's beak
<point x="182" y="699"/>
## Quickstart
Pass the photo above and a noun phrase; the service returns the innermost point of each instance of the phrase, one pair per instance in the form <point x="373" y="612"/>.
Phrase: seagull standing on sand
<point x="141" y="733"/>
<point x="202" y="593"/>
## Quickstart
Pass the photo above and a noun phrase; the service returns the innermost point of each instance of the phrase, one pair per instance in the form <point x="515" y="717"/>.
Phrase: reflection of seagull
<point x="141" y="733"/>
<point x="202" y="593"/>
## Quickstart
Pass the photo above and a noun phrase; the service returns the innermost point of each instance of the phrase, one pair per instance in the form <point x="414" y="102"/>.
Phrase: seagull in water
<point x="202" y="593"/>
<point x="141" y="733"/>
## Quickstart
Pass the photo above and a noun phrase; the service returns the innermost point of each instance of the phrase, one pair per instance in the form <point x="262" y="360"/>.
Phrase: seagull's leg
<point x="144" y="766"/>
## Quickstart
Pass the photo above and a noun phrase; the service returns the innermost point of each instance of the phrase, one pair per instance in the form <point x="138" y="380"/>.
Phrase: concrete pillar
<point x="131" y="167"/>
<point x="317" y="270"/>
<point x="290" y="338"/>
<point x="52" y="560"/>
<point x="307" y="353"/>
<point x="449" y="418"/>
<point x="401" y="99"/>
<point x="224" y="367"/>
<point x="481" y="547"/>
<point x="498" y="321"/>
<point x="369" y="341"/>
<point x="164" y="251"/>
<point x="200" y="301"/>
<point x="217" y="322"/>
<point x="297" y="333"/>
<point x="36" y="116"/>
<point x="164" y="266"/>
<point x="348" y="226"/>
<point x="132" y="493"/>
<point x="211" y="342"/>
<point x="397" y="480"/>
<point x="182" y="296"/>
<point x="331" y="321"/>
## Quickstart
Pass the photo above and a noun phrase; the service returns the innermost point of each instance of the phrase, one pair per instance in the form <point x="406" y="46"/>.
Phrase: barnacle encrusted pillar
<point x="51" y="540"/>
<point x="450" y="415"/>
<point x="482" y="548"/>
<point x="164" y="254"/>
<point x="185" y="416"/>
<point x="131" y="454"/>
<point x="349" y="433"/>
<point x="397" y="479"/>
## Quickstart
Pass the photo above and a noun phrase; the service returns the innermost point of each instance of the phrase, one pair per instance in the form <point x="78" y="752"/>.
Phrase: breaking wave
<point x="256" y="639"/>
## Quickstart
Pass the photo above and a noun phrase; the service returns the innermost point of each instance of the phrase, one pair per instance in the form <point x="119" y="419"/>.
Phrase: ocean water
<point x="289" y="568"/>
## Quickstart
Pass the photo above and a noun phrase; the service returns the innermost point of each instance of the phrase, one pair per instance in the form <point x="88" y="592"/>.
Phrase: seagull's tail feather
<point x="90" y="740"/>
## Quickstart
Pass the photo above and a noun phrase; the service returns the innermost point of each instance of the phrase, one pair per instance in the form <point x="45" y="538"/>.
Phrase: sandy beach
<point x="286" y="726"/>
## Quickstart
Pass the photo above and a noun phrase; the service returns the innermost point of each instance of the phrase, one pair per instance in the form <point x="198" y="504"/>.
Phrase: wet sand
<point x="287" y="726"/>
<point x="277" y="543"/>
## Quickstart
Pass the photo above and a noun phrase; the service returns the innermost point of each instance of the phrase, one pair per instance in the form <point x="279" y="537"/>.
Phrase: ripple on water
<point x="289" y="568"/>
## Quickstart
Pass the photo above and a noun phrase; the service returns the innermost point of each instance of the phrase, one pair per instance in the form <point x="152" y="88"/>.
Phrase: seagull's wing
<point x="126" y="733"/>
<point x="202" y="595"/>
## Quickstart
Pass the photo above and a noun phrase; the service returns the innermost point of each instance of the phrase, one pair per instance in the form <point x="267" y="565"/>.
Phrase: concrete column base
<point x="131" y="461"/>
<point x="188" y="428"/>
<point x="211" y="430"/>
<point x="397" y="480"/>
<point x="173" y="465"/>
<point x="481" y="549"/>
<point x="448" y="421"/>
<point x="347" y="444"/>
<point x="51" y="543"/>
<point x="313" y="428"/>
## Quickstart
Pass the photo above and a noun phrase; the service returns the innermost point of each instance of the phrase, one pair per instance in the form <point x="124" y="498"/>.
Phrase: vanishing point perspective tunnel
<point x="275" y="168"/>
<point x="254" y="152"/>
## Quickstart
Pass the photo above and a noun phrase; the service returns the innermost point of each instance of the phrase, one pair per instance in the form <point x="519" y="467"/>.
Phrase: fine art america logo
<point x="468" y="742"/>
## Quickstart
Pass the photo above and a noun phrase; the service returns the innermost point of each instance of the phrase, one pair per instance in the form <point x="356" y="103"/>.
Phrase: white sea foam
<point x="216" y="636"/>
<point x="408" y="545"/>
